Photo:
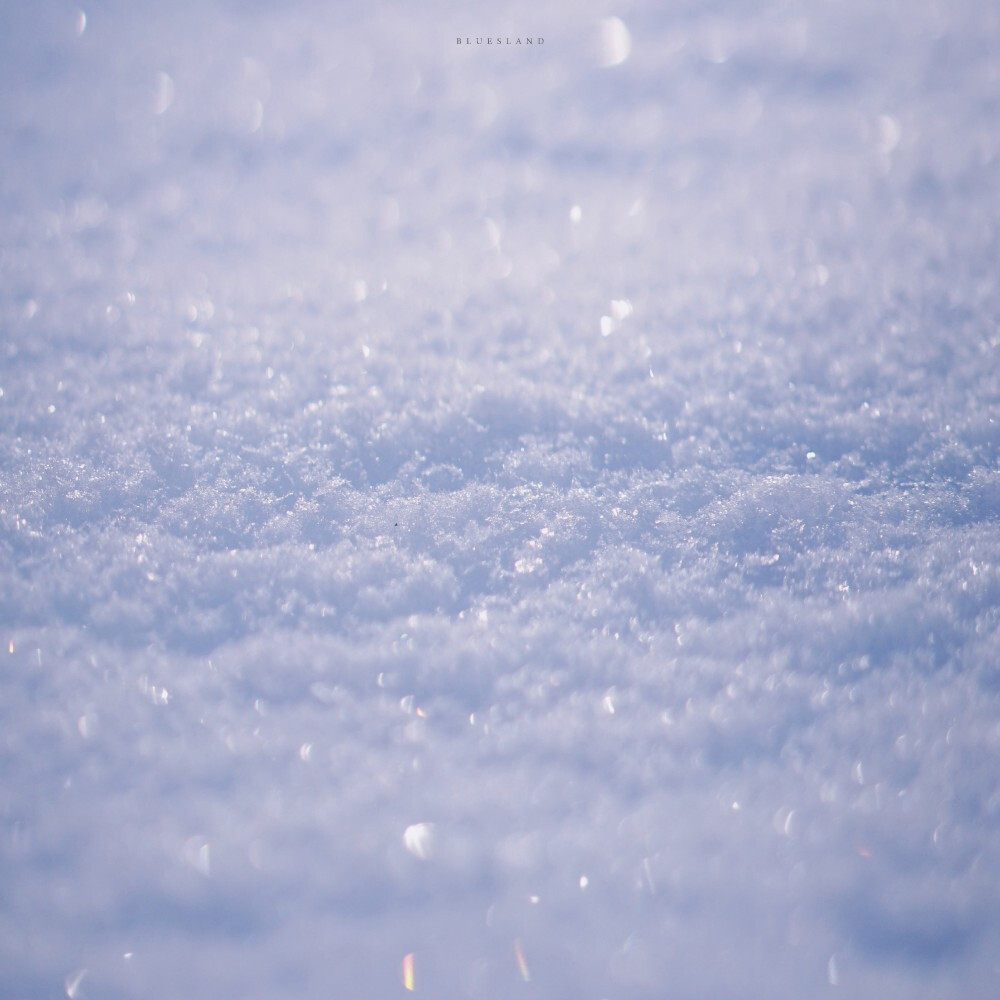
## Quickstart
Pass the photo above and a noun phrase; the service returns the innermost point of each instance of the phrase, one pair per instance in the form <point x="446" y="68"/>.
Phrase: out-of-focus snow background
<point x="534" y="510"/>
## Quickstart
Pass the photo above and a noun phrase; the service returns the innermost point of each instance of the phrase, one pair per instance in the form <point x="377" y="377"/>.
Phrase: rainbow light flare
<point x="521" y="963"/>
<point x="408" y="971"/>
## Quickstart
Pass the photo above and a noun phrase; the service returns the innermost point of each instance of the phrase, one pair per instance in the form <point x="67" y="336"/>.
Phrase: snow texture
<point x="530" y="509"/>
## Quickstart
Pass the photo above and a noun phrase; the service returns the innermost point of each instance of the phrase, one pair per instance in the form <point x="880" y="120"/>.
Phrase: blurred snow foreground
<point x="500" y="522"/>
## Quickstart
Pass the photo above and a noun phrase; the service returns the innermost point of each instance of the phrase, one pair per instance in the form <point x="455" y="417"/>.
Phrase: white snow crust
<point x="530" y="509"/>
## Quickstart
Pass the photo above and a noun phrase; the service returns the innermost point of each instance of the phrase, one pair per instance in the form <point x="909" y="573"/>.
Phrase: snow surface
<point x="530" y="509"/>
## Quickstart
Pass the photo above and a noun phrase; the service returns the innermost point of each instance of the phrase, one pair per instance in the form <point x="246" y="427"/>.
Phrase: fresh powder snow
<point x="493" y="520"/>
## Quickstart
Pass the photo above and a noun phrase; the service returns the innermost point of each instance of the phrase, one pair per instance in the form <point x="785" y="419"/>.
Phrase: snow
<point x="499" y="521"/>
